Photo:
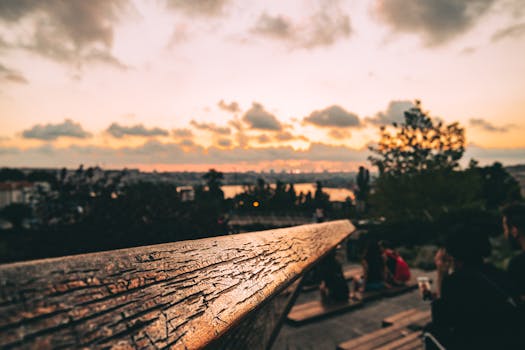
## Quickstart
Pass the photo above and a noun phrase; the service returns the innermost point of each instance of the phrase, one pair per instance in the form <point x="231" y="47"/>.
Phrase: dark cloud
<point x="50" y="132"/>
<point x="232" y="107"/>
<point x="258" y="118"/>
<point x="393" y="114"/>
<point x="487" y="126"/>
<point x="207" y="8"/>
<point x="182" y="133"/>
<point x="333" y="116"/>
<point x="221" y="130"/>
<point x="12" y="75"/>
<point x="73" y="31"/>
<point x="514" y="31"/>
<point x="436" y="21"/>
<point x="325" y="27"/>
<point x="119" y="131"/>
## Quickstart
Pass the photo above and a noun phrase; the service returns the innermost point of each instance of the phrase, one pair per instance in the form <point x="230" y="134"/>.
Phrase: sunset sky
<point x="252" y="85"/>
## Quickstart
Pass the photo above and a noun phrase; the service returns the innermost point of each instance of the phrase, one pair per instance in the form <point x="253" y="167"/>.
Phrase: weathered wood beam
<point x="186" y="294"/>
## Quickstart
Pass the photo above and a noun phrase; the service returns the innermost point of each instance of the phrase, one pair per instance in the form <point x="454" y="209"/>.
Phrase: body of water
<point x="336" y="194"/>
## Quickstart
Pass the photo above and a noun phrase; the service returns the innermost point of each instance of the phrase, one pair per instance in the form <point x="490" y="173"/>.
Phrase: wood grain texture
<point x="178" y="295"/>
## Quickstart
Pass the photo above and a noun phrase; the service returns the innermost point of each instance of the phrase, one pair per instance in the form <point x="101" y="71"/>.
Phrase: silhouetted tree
<point x="363" y="188"/>
<point x="418" y="144"/>
<point x="213" y="181"/>
<point x="16" y="213"/>
<point x="416" y="166"/>
<point x="498" y="186"/>
<point x="363" y="183"/>
<point x="8" y="174"/>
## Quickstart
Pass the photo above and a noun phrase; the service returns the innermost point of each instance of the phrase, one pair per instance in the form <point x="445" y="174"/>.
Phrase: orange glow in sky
<point x="250" y="85"/>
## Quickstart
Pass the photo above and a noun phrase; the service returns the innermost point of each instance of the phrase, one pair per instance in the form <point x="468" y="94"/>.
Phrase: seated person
<point x="397" y="270"/>
<point x="514" y="231"/>
<point x="334" y="288"/>
<point x="374" y="269"/>
<point x="475" y="309"/>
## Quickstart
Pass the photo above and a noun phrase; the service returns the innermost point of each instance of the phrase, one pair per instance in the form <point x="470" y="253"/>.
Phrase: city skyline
<point x="189" y="85"/>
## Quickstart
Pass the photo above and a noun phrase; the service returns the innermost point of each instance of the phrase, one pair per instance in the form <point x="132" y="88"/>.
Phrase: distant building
<point x="187" y="193"/>
<point x="15" y="192"/>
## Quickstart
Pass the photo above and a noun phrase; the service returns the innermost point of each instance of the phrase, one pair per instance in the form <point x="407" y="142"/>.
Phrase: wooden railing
<point x="222" y="292"/>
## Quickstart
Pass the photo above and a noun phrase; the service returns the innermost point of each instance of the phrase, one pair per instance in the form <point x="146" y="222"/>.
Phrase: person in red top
<point x="398" y="271"/>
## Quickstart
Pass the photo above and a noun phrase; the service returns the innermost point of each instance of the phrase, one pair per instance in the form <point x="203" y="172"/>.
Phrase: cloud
<point x="258" y="118"/>
<point x="393" y="114"/>
<point x="182" y="133"/>
<point x="222" y="142"/>
<point x="12" y="75"/>
<point x="333" y="116"/>
<point x="221" y="130"/>
<point x="487" y="126"/>
<point x="468" y="50"/>
<point x="324" y="28"/>
<point x="288" y="136"/>
<point x="435" y="21"/>
<point x="50" y="132"/>
<point x="507" y="156"/>
<point x="119" y="131"/>
<point x="73" y="31"/>
<point x="339" y="134"/>
<point x="514" y="31"/>
<point x="263" y="138"/>
<point x="206" y="8"/>
<point x="232" y="107"/>
<point x="277" y="27"/>
<point x="157" y="153"/>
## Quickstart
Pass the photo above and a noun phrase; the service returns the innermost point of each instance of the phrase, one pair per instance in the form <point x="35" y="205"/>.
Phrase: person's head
<point x="514" y="225"/>
<point x="467" y="246"/>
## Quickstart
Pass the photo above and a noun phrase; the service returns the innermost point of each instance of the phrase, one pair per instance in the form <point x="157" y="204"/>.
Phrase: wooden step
<point x="315" y="310"/>
<point x="384" y="336"/>
<point x="411" y="341"/>
<point x="390" y="320"/>
<point x="312" y="311"/>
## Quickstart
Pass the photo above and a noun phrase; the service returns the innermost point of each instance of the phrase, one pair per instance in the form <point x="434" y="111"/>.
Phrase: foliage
<point x="16" y="213"/>
<point x="213" y="181"/>
<point x="498" y="185"/>
<point x="426" y="194"/>
<point x="418" y="144"/>
<point x="363" y="184"/>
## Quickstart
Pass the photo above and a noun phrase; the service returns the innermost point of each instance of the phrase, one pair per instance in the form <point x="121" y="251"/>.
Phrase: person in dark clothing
<point x="334" y="288"/>
<point x="514" y="232"/>
<point x="374" y="268"/>
<point x="476" y="309"/>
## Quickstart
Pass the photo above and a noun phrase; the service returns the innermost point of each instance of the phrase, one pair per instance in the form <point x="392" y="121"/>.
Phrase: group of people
<point x="383" y="267"/>
<point x="476" y="305"/>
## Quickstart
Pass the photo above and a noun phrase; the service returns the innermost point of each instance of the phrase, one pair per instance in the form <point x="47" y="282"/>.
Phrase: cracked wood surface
<point x="178" y="295"/>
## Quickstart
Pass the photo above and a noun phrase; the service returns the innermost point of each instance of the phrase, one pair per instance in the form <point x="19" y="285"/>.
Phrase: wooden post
<point x="215" y="292"/>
